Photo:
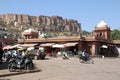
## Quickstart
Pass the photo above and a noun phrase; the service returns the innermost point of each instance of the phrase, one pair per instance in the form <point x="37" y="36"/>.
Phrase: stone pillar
<point x="93" y="51"/>
<point x="79" y="46"/>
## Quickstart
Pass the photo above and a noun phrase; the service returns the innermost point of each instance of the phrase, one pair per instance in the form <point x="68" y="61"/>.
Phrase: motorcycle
<point x="86" y="60"/>
<point x="40" y="56"/>
<point x="20" y="63"/>
<point x="8" y="57"/>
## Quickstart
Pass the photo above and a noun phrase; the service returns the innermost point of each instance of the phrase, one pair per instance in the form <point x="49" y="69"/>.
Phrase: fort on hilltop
<point x="44" y="23"/>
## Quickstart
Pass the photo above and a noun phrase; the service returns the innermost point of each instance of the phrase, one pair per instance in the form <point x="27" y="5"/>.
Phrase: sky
<point x="87" y="12"/>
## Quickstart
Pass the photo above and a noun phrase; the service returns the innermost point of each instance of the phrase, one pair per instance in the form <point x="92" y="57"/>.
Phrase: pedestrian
<point x="79" y="53"/>
<point x="65" y="56"/>
<point x="74" y="51"/>
<point x="85" y="55"/>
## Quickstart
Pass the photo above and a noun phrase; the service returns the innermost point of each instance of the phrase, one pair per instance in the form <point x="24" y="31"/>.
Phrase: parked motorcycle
<point x="8" y="57"/>
<point x="40" y="54"/>
<point x="24" y="63"/>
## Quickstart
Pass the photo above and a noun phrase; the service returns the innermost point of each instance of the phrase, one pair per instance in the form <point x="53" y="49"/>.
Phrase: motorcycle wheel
<point x="81" y="61"/>
<point x="30" y="66"/>
<point x="11" y="68"/>
<point x="91" y="61"/>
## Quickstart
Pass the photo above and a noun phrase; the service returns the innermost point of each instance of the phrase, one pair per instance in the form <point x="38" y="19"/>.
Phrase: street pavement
<point x="72" y="69"/>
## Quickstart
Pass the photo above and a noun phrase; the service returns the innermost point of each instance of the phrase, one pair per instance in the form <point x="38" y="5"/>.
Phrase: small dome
<point x="30" y="30"/>
<point x="102" y="24"/>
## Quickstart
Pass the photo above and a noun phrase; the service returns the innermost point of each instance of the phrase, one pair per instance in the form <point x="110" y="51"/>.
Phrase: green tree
<point x="115" y="34"/>
<point x="85" y="32"/>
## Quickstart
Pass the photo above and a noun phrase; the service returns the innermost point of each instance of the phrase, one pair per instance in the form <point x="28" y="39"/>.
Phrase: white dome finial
<point x="102" y="24"/>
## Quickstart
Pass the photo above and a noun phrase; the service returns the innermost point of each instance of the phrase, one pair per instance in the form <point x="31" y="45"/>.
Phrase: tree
<point x="85" y="32"/>
<point x="115" y="34"/>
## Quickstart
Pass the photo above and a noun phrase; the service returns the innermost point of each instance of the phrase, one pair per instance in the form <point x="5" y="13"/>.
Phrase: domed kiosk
<point x="102" y="31"/>
<point x="30" y="34"/>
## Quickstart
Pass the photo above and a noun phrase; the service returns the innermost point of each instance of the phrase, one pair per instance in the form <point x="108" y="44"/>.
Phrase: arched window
<point x="100" y="35"/>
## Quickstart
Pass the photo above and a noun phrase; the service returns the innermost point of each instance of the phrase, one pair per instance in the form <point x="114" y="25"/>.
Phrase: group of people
<point x="8" y="54"/>
<point x="83" y="54"/>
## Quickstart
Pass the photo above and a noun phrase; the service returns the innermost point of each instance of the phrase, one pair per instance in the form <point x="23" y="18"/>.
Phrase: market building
<point x="99" y="43"/>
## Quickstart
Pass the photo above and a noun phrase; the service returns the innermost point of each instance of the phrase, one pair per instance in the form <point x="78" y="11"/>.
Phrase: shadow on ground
<point x="4" y="65"/>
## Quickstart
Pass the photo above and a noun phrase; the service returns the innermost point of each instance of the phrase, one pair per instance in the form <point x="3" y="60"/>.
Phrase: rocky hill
<point x="42" y="23"/>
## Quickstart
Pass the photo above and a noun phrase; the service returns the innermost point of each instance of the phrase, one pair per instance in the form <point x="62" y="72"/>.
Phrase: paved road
<point x="59" y="69"/>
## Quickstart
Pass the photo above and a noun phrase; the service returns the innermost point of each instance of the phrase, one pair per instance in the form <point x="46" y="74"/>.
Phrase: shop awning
<point x="104" y="46"/>
<point x="58" y="46"/>
<point x="15" y="46"/>
<point x="28" y="45"/>
<point x="30" y="48"/>
<point x="70" y="44"/>
<point x="7" y="47"/>
<point x="47" y="44"/>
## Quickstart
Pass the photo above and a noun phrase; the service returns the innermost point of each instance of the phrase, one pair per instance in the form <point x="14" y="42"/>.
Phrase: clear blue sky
<point x="87" y="12"/>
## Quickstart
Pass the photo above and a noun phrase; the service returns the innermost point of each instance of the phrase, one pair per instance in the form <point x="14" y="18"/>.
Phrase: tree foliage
<point x="85" y="32"/>
<point x="115" y="34"/>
